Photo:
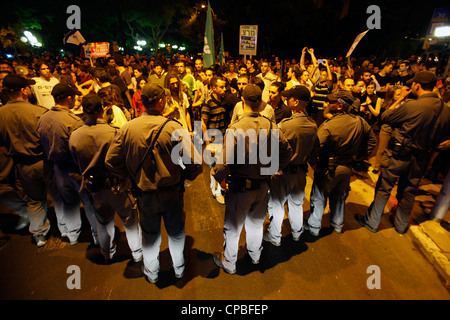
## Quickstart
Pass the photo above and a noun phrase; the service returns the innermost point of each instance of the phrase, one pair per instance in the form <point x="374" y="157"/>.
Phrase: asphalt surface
<point x="330" y="267"/>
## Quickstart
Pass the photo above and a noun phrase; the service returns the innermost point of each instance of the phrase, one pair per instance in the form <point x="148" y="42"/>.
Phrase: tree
<point x="193" y="26"/>
<point x="149" y="22"/>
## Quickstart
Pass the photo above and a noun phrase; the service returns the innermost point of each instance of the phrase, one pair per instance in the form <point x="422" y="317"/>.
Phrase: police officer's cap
<point x="252" y="93"/>
<point x="152" y="92"/>
<point x="300" y="93"/>
<point x="342" y="96"/>
<point x="92" y="103"/>
<point x="15" y="82"/>
<point x="423" y="77"/>
<point x="61" y="91"/>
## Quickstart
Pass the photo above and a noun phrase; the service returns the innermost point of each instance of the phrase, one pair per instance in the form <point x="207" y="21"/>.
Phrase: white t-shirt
<point x="119" y="118"/>
<point x="265" y="110"/>
<point x="43" y="91"/>
<point x="180" y="110"/>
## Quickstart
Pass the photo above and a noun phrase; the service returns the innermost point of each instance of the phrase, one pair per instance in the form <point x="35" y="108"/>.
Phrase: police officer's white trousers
<point x="249" y="209"/>
<point x="53" y="191"/>
<point x="106" y="203"/>
<point x="31" y="186"/>
<point x="69" y="186"/>
<point x="216" y="189"/>
<point x="335" y="187"/>
<point x="290" y="188"/>
<point x="167" y="205"/>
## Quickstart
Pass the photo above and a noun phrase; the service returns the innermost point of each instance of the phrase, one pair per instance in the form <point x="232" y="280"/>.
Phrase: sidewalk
<point x="429" y="236"/>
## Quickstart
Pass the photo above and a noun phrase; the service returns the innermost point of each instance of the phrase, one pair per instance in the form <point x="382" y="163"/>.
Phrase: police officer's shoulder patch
<point x="44" y="109"/>
<point x="74" y="116"/>
<point x="175" y="121"/>
<point x="285" y="120"/>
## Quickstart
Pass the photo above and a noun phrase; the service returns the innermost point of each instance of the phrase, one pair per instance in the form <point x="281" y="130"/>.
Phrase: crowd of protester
<point x="374" y="85"/>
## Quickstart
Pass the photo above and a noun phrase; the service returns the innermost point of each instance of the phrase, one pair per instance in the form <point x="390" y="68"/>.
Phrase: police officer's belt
<point x="293" y="168"/>
<point x="399" y="150"/>
<point x="236" y="184"/>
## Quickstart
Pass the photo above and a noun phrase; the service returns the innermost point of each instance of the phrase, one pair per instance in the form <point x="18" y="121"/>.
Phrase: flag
<point x="208" y="47"/>
<point x="355" y="43"/>
<point x="74" y="36"/>
<point x="221" y="51"/>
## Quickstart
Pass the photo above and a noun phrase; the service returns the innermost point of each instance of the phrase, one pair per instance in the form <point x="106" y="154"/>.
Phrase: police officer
<point x="55" y="128"/>
<point x="247" y="196"/>
<point x="142" y="151"/>
<point x="420" y="126"/>
<point x="18" y="136"/>
<point x="289" y="184"/>
<point x="88" y="146"/>
<point x="343" y="139"/>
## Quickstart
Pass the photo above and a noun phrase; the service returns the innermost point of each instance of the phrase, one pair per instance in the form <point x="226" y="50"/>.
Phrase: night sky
<point x="284" y="27"/>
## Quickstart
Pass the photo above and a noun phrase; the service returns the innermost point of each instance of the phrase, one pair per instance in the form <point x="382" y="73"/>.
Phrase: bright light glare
<point x="32" y="39"/>
<point x="141" y="42"/>
<point x="162" y="45"/>
<point x="442" y="31"/>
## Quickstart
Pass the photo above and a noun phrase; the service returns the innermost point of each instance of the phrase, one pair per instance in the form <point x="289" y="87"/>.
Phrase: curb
<point x="432" y="252"/>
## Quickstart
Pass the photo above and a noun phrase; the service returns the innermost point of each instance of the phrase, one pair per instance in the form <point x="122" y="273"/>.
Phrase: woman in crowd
<point x="137" y="102"/>
<point x="114" y="111"/>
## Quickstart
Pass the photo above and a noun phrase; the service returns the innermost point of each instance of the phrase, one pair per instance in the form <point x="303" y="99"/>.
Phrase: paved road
<point x="333" y="266"/>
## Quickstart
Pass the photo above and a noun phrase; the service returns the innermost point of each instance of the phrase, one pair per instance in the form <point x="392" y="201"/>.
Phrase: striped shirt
<point x="320" y="97"/>
<point x="214" y="114"/>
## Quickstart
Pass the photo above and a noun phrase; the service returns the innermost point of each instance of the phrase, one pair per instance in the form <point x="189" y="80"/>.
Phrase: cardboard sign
<point x="355" y="43"/>
<point x="99" y="49"/>
<point x="248" y="36"/>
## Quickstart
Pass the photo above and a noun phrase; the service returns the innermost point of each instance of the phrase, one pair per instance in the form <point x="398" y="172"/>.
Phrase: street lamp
<point x="442" y="32"/>
<point x="29" y="37"/>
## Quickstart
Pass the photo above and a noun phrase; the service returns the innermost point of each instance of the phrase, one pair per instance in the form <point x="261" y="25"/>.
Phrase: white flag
<point x="355" y="43"/>
<point x="74" y="36"/>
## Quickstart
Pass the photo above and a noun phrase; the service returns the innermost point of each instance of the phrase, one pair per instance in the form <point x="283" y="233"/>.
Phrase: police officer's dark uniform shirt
<point x="303" y="141"/>
<point x="19" y="120"/>
<point x="414" y="120"/>
<point x="18" y="137"/>
<point x="254" y="121"/>
<point x="281" y="112"/>
<point x="89" y="144"/>
<point x="157" y="170"/>
<point x="55" y="128"/>
<point x="344" y="136"/>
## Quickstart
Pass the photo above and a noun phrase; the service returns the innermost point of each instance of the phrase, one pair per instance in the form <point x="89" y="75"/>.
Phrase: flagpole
<point x="208" y="47"/>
